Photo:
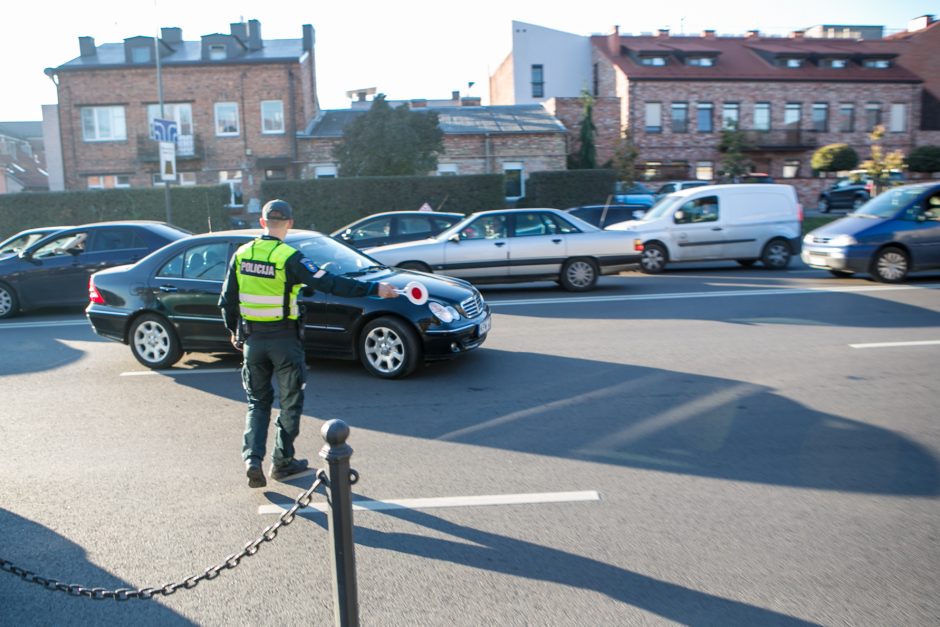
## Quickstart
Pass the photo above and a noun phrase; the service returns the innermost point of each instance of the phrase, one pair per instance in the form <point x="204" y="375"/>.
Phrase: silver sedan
<point x="516" y="245"/>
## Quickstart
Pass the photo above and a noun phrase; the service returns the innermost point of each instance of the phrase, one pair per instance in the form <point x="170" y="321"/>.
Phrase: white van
<point x="745" y="223"/>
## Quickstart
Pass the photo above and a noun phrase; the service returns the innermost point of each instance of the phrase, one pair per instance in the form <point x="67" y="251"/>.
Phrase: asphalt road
<point x="754" y="448"/>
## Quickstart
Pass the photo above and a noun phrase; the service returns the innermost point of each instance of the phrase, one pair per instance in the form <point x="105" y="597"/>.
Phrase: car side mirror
<point x="75" y="252"/>
<point x="455" y="238"/>
<point x="679" y="217"/>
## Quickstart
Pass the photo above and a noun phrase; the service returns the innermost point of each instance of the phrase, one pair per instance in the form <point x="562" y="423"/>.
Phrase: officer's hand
<point x="386" y="290"/>
<point x="236" y="343"/>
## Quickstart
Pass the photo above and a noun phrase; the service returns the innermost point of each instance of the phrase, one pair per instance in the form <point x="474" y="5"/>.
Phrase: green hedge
<point x="568" y="188"/>
<point x="193" y="208"/>
<point x="327" y="204"/>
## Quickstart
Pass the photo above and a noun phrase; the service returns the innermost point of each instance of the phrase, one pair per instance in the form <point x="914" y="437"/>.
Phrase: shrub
<point x="834" y="158"/>
<point x="568" y="188"/>
<point x="924" y="159"/>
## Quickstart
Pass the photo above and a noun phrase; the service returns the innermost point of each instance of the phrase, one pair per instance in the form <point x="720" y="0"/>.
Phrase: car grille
<point x="821" y="240"/>
<point x="473" y="306"/>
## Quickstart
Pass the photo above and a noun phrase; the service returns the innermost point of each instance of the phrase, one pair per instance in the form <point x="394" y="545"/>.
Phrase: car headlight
<point x="843" y="240"/>
<point x="444" y="313"/>
<point x="808" y="238"/>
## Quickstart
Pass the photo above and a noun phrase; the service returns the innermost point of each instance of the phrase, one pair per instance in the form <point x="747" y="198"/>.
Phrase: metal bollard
<point x="340" y="523"/>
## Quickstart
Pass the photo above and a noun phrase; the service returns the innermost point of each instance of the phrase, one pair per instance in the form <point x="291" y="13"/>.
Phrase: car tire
<point x="858" y="201"/>
<point x="890" y="265"/>
<point x="389" y="348"/>
<point x="840" y="274"/>
<point x="416" y="265"/>
<point x="776" y="254"/>
<point x="823" y="205"/>
<point x="746" y="263"/>
<point x="9" y="304"/>
<point x="578" y="275"/>
<point x="653" y="260"/>
<point x="154" y="342"/>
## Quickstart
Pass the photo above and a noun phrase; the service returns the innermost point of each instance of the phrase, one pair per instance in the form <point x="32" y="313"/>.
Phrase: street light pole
<point x="166" y="184"/>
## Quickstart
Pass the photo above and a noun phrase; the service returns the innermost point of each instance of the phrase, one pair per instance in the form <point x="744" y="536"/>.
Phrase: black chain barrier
<point x="230" y="562"/>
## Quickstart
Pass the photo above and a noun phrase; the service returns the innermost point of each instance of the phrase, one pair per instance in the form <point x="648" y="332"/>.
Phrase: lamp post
<point x="166" y="184"/>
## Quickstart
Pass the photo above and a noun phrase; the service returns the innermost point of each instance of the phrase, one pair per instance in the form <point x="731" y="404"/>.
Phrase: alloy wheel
<point x="151" y="341"/>
<point x="385" y="350"/>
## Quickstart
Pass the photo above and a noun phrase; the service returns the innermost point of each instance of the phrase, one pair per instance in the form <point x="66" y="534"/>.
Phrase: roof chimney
<point x="87" y="46"/>
<point x="663" y="32"/>
<point x="309" y="38"/>
<point x="254" y="35"/>
<point x="613" y="41"/>
<point x="708" y="34"/>
<point x="171" y="36"/>
<point x="752" y="34"/>
<point x="455" y="96"/>
<point x="240" y="32"/>
<point x="419" y="103"/>
<point x="470" y="101"/>
<point x="797" y="34"/>
<point x="919" y="23"/>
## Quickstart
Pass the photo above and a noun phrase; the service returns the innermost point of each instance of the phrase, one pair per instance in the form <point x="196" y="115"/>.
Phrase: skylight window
<point x="701" y="61"/>
<point x="654" y="61"/>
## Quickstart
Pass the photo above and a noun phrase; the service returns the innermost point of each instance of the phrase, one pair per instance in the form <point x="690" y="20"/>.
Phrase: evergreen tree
<point x="625" y="156"/>
<point x="834" y="158"/>
<point x="733" y="144"/>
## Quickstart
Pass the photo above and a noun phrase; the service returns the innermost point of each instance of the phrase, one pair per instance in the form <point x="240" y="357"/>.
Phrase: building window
<point x="703" y="117"/>
<point x="680" y="117"/>
<point x="233" y="178"/>
<point x="838" y="64"/>
<point x="447" y="169"/>
<point x="275" y="174"/>
<point x="226" y="119"/>
<point x="872" y="115"/>
<point x="730" y="115"/>
<point x="654" y="61"/>
<point x="704" y="170"/>
<point x="108" y="181"/>
<point x="897" y="123"/>
<point x="847" y="117"/>
<point x="791" y="168"/>
<point x="761" y="116"/>
<point x="272" y="117"/>
<point x="701" y="61"/>
<point x="141" y="54"/>
<point x="878" y="64"/>
<point x="652" y="169"/>
<point x="654" y="117"/>
<point x="184" y="178"/>
<point x="792" y="112"/>
<point x="820" y="117"/>
<point x="515" y="180"/>
<point x="792" y="63"/>
<point x="182" y="114"/>
<point x="216" y="52"/>
<point x="324" y="172"/>
<point x="538" y="81"/>
<point x="103" y="124"/>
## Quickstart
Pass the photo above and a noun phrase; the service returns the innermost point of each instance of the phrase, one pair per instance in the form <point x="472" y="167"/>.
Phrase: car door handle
<point x="557" y="241"/>
<point x="716" y="228"/>
<point x="168" y="288"/>
<point x="499" y="243"/>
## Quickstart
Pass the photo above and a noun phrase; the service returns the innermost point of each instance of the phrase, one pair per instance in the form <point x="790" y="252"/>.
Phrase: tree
<point x="625" y="156"/>
<point x="924" y="159"/>
<point x="834" y="158"/>
<point x="390" y="142"/>
<point x="586" y="157"/>
<point x="733" y="144"/>
<point x="879" y="165"/>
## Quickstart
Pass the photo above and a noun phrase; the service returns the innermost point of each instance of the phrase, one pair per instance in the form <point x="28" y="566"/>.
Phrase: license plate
<point x="484" y="327"/>
<point x="817" y="261"/>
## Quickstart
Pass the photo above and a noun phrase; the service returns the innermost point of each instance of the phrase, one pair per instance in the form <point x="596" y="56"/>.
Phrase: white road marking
<point x="714" y="294"/>
<point x="451" y="501"/>
<point x="174" y="373"/>
<point x="894" y="344"/>
<point x="50" y="323"/>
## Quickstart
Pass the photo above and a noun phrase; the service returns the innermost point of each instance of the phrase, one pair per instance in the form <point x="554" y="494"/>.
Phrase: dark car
<point x="851" y="192"/>
<point x="602" y="216"/>
<point x="892" y="234"/>
<point x="16" y="244"/>
<point x="633" y="194"/>
<point x="675" y="186"/>
<point x="167" y="304"/>
<point x="393" y="227"/>
<point x="54" y="270"/>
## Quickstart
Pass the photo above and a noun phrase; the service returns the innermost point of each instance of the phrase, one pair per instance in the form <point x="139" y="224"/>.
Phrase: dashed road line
<point x="896" y="344"/>
<point x="49" y="323"/>
<point x="175" y="373"/>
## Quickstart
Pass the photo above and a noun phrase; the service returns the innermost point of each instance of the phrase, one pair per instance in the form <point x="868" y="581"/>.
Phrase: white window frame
<point x="897" y="118"/>
<point x="217" y="52"/>
<point x="653" y="61"/>
<point x="102" y="183"/>
<point x="111" y="116"/>
<point x="278" y="117"/>
<point x="325" y="171"/>
<point x="703" y="167"/>
<point x="791" y="168"/>
<point x="701" y="61"/>
<point x="447" y="169"/>
<point x="515" y="166"/>
<point x="218" y="131"/>
<point x="653" y="112"/>
<point x="232" y="178"/>
<point x="184" y="179"/>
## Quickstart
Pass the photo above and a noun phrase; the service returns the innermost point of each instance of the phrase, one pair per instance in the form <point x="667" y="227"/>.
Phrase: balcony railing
<point x="781" y="139"/>
<point x="188" y="147"/>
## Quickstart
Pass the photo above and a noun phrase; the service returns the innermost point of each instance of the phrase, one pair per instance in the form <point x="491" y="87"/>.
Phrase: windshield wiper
<point x="366" y="270"/>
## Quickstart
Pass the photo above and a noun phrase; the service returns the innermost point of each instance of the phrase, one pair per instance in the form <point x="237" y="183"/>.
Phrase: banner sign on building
<point x="167" y="161"/>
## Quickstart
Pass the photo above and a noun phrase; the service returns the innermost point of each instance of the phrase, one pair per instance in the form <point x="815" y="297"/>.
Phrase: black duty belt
<point x="270" y="327"/>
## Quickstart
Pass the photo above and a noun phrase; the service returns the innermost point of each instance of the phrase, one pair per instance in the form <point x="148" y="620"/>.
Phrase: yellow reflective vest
<point x="263" y="292"/>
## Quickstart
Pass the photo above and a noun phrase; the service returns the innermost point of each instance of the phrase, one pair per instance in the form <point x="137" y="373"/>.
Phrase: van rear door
<point x="755" y="216"/>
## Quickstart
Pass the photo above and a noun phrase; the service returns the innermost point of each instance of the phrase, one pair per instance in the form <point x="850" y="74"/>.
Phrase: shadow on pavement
<point x="44" y="552"/>
<point x="36" y="349"/>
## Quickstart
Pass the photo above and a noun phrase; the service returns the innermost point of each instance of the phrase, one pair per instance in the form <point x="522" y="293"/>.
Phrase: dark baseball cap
<point x="277" y="210"/>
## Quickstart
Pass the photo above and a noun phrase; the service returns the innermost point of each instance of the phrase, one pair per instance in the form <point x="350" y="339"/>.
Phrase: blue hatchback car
<point x="891" y="235"/>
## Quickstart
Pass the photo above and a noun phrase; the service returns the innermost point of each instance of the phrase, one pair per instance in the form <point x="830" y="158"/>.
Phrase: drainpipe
<point x="293" y="123"/>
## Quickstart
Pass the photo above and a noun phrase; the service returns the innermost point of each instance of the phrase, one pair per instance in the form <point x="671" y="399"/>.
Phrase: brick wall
<point x="502" y="87"/>
<point x="606" y="117"/>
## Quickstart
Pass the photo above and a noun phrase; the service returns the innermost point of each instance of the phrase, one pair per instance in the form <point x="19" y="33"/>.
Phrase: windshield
<point x="659" y="208"/>
<point x="888" y="204"/>
<point x="18" y="244"/>
<point x="335" y="257"/>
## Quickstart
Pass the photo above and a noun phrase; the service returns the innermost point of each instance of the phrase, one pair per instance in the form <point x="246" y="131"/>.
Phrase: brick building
<point x="239" y="101"/>
<point x="22" y="158"/>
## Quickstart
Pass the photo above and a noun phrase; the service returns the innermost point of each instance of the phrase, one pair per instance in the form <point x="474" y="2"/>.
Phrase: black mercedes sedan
<point x="166" y="304"/>
<point x="54" y="270"/>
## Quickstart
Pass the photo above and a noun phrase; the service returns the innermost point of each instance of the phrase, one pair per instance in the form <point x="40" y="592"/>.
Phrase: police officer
<point x="259" y="306"/>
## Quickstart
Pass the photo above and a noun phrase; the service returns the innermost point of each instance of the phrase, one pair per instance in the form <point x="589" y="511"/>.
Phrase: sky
<point x="404" y="49"/>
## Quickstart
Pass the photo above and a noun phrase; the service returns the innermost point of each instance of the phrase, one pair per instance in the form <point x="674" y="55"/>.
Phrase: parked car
<point x="633" y="194"/>
<point x="756" y="177"/>
<point x="891" y="235"/>
<point x="393" y="227"/>
<point x="54" y="270"/>
<point x="514" y="245"/>
<point x="167" y="304"/>
<point x="853" y="191"/>
<point x="16" y="244"/>
<point x="602" y="216"/>
<point x="674" y="186"/>
<point x="745" y="223"/>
